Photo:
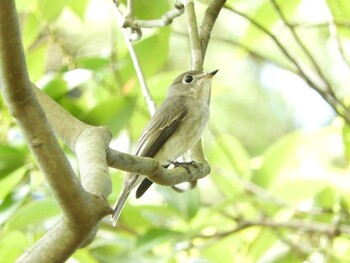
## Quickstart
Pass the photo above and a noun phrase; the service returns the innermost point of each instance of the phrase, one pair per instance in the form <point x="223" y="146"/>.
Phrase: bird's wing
<point x="157" y="132"/>
<point x="162" y="125"/>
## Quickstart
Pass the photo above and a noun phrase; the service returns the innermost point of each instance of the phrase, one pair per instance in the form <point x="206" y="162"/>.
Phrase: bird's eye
<point x="188" y="79"/>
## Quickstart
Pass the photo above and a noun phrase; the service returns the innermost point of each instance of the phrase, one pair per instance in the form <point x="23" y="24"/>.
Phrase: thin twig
<point x="141" y="77"/>
<point x="196" y="49"/>
<point x="337" y="104"/>
<point x="339" y="108"/>
<point x="333" y="32"/>
<point x="305" y="226"/>
<point x="165" y="19"/>
<point x="211" y="14"/>
<point x="144" y="88"/>
<point x="303" y="47"/>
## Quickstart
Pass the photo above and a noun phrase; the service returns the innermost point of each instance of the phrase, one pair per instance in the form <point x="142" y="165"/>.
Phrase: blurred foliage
<point x="278" y="152"/>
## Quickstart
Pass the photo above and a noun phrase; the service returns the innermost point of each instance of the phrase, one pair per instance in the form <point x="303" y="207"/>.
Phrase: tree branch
<point x="128" y="21"/>
<point x="196" y="49"/>
<point x="338" y="107"/>
<point x="330" y="230"/>
<point x="154" y="170"/>
<point x="24" y="106"/>
<point x="139" y="72"/>
<point x="165" y="19"/>
<point x="199" y="45"/>
<point x="211" y="14"/>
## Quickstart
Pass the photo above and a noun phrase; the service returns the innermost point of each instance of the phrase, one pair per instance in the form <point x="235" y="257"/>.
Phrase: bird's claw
<point x="186" y="165"/>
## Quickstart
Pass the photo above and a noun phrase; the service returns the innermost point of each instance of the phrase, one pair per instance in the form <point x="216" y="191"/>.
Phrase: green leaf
<point x="56" y="87"/>
<point x="93" y="63"/>
<point x="298" y="190"/>
<point x="83" y="255"/>
<point x="79" y="7"/>
<point x="10" y="159"/>
<point x="155" y="237"/>
<point x="150" y="51"/>
<point x="227" y="151"/>
<point x="12" y="245"/>
<point x="267" y="16"/>
<point x="144" y="10"/>
<point x="36" y="61"/>
<point x="340" y="10"/>
<point x="277" y="157"/>
<point x="30" y="30"/>
<point x="222" y="250"/>
<point x="26" y="6"/>
<point x="33" y="215"/>
<point x="12" y="202"/>
<point x="51" y="10"/>
<point x="114" y="113"/>
<point x="262" y="243"/>
<point x="186" y="203"/>
<point x="346" y="140"/>
<point x="10" y="181"/>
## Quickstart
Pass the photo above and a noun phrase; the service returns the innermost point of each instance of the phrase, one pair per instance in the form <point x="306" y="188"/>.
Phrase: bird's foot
<point x="186" y="165"/>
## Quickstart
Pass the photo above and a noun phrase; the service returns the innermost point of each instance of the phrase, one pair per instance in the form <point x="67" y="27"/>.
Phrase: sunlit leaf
<point x="155" y="237"/>
<point x="36" y="61"/>
<point x="228" y="152"/>
<point x="267" y="16"/>
<point x="298" y="190"/>
<point x="277" y="157"/>
<point x="264" y="240"/>
<point x="78" y="7"/>
<point x="10" y="159"/>
<point x="50" y="10"/>
<point x="186" y="203"/>
<point x="33" y="215"/>
<point x="12" y="245"/>
<point x="114" y="113"/>
<point x="346" y="140"/>
<point x="10" y="181"/>
<point x="30" y="30"/>
<point x="93" y="63"/>
<point x="56" y="87"/>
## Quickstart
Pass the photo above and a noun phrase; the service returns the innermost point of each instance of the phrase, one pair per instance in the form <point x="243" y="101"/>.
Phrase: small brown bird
<point x="176" y="127"/>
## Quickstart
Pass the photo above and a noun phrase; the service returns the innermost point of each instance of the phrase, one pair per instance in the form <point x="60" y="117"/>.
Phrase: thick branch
<point x="154" y="170"/>
<point x="24" y="107"/>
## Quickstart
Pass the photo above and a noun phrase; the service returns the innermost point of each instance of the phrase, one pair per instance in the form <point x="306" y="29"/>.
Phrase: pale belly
<point x="187" y="135"/>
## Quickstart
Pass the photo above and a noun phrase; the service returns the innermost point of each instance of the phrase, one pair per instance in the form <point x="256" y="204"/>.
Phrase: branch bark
<point x="79" y="217"/>
<point x="199" y="44"/>
<point x="90" y="144"/>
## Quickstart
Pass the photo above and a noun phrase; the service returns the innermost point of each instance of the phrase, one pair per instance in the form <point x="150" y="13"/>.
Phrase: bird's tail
<point x="118" y="206"/>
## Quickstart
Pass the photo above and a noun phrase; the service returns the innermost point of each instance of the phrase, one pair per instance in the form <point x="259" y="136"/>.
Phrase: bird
<point x="176" y="126"/>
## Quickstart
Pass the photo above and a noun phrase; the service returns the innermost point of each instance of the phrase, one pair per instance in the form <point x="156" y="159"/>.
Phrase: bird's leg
<point x="185" y="165"/>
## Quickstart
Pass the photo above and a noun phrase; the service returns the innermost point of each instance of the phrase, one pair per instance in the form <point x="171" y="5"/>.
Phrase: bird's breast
<point x="188" y="133"/>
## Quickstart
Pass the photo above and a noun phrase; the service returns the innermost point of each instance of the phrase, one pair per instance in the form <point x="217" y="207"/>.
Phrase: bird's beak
<point x="211" y="74"/>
